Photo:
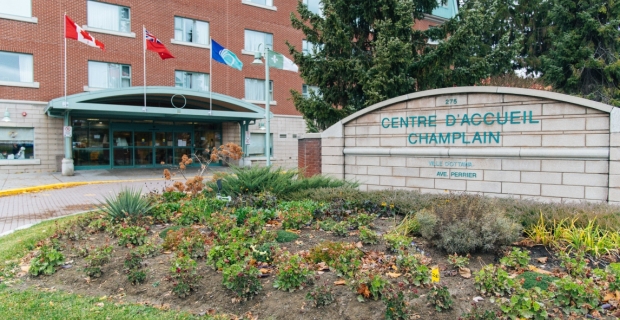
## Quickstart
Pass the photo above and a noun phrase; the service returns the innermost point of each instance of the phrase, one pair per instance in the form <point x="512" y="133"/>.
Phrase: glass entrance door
<point x="123" y="148"/>
<point x="144" y="148"/>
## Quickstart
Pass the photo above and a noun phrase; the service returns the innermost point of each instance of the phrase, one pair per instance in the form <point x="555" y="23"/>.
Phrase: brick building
<point x="105" y="89"/>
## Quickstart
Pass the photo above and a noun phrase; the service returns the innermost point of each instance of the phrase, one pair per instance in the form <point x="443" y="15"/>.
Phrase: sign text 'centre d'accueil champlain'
<point x="458" y="120"/>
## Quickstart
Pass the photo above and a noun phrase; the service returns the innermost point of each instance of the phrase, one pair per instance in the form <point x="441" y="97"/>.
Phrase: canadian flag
<point x="73" y="31"/>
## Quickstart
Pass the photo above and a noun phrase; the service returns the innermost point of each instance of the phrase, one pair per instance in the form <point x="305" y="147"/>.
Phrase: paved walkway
<point x="28" y="208"/>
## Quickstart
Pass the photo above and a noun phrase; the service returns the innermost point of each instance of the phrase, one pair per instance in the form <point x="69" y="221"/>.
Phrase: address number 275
<point x="451" y="101"/>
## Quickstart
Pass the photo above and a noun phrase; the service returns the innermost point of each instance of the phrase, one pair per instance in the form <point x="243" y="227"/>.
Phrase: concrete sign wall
<point x="491" y="140"/>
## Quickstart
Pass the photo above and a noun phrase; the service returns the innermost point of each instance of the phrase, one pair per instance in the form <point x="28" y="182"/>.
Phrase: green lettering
<point x="514" y="115"/>
<point x="405" y="122"/>
<point x="433" y="138"/>
<point x="473" y="121"/>
<point x="465" y="119"/>
<point x="412" y="141"/>
<point x="444" y="139"/>
<point x="477" y="137"/>
<point x="456" y="136"/>
<point x="532" y="120"/>
<point x="485" y="118"/>
<point x="423" y="136"/>
<point x="432" y="121"/>
<point x="383" y="123"/>
<point x="494" y="137"/>
<point x="395" y="122"/>
<point x="505" y="118"/>
<point x="448" y="118"/>
<point x="421" y="121"/>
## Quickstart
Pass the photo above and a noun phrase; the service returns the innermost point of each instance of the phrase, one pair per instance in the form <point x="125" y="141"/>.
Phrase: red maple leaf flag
<point x="73" y="31"/>
<point x="153" y="44"/>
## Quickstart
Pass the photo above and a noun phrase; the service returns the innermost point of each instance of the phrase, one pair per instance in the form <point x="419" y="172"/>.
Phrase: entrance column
<point x="67" y="162"/>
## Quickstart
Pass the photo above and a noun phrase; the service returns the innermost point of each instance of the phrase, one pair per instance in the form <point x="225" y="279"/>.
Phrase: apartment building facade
<point x="192" y="103"/>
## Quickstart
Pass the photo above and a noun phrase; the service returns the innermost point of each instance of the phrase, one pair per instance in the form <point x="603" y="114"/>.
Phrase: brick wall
<point x="309" y="154"/>
<point x="227" y="21"/>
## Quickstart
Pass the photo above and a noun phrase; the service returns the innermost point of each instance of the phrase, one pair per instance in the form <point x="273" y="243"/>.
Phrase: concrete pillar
<point x="67" y="162"/>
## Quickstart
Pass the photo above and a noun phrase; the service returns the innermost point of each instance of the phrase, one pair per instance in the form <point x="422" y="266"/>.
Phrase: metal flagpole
<point x="65" y="36"/>
<point x="144" y="63"/>
<point x="210" y="77"/>
<point x="267" y="102"/>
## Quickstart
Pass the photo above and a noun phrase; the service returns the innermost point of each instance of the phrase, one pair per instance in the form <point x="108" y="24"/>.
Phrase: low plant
<point x="341" y="229"/>
<point x="368" y="236"/>
<point x="361" y="220"/>
<point x="440" y="298"/>
<point x="575" y="296"/>
<point x="322" y="295"/>
<point x="426" y="221"/>
<point x="327" y="224"/>
<point x="530" y="279"/>
<point x="222" y="255"/>
<point x="525" y="304"/>
<point x="283" y="236"/>
<point x="133" y="264"/>
<point x="96" y="259"/>
<point x="264" y="252"/>
<point x="136" y="276"/>
<point x="128" y="204"/>
<point x="164" y="212"/>
<point x="189" y="241"/>
<point x="395" y="300"/>
<point x="409" y="226"/>
<point x="46" y="262"/>
<point x="613" y="276"/>
<point x="98" y="225"/>
<point x="419" y="275"/>
<point x="149" y="249"/>
<point x="396" y="242"/>
<point x="494" y="281"/>
<point x="292" y="273"/>
<point x="478" y="314"/>
<point x="516" y="259"/>
<point x="295" y="217"/>
<point x="242" y="279"/>
<point x="345" y="258"/>
<point x="132" y="235"/>
<point x="370" y="285"/>
<point x="576" y="265"/>
<point x="184" y="273"/>
<point x="457" y="261"/>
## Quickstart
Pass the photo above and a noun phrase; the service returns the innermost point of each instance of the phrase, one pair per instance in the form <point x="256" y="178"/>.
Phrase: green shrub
<point x="173" y="196"/>
<point x="321" y="295"/>
<point x="396" y="306"/>
<point x="613" y="276"/>
<point x="516" y="259"/>
<point x="222" y="255"/>
<point x="164" y="212"/>
<point x="396" y="242"/>
<point x="133" y="235"/>
<point x="184" y="273"/>
<point x="98" y="225"/>
<point x="46" y="262"/>
<point x="129" y="204"/>
<point x="136" y="276"/>
<point x="254" y="180"/>
<point x="494" y="281"/>
<point x="133" y="264"/>
<point x="368" y="236"/>
<point x="427" y="222"/>
<point x="96" y="259"/>
<point x="189" y="241"/>
<point x="242" y="279"/>
<point x="534" y="279"/>
<point x="283" y="236"/>
<point x="458" y="261"/>
<point x="296" y="214"/>
<point x="343" y="257"/>
<point x="477" y="314"/>
<point x="148" y="250"/>
<point x="292" y="273"/>
<point x="370" y="285"/>
<point x="264" y="252"/>
<point x="576" y="265"/>
<point x="574" y="295"/>
<point x="327" y="224"/>
<point x="361" y="220"/>
<point x="341" y="229"/>
<point x="525" y="304"/>
<point x="440" y="298"/>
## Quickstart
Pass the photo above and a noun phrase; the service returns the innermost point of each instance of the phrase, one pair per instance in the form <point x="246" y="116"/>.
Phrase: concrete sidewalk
<point x="22" y="210"/>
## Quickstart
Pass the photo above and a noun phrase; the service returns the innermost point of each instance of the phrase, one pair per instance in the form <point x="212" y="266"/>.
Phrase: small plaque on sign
<point x="248" y="137"/>
<point x="68" y="131"/>
<point x="435" y="275"/>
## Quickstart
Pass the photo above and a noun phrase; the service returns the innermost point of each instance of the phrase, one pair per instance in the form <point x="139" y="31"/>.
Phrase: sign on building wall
<point x="495" y="141"/>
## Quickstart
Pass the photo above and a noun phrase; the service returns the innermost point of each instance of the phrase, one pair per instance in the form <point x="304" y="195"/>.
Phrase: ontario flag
<point x="153" y="44"/>
<point x="73" y="31"/>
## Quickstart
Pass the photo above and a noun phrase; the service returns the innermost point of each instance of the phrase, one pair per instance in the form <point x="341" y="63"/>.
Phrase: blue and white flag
<point x="225" y="56"/>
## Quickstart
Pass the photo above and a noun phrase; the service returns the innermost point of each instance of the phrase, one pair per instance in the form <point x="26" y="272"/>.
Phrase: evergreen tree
<point x="583" y="56"/>
<point x="367" y="52"/>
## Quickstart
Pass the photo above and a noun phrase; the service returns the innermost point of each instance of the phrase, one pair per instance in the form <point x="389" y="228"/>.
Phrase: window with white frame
<point x="16" y="67"/>
<point x="309" y="48"/>
<point x="255" y="90"/>
<point x="267" y="3"/>
<point x="18" y="143"/>
<point x="315" y="6"/>
<point x="257" y="144"/>
<point x="189" y="30"/>
<point x="108" y="75"/>
<point x="108" y="16"/>
<point x="191" y="80"/>
<point x="253" y="39"/>
<point x="306" y="89"/>
<point x="21" y="8"/>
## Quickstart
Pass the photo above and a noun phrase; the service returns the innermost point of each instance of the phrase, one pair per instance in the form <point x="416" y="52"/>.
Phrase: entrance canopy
<point x="169" y="103"/>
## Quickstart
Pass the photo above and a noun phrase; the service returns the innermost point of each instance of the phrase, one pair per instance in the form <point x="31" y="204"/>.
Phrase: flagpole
<point x="65" y="37"/>
<point x="144" y="63"/>
<point x="210" y="76"/>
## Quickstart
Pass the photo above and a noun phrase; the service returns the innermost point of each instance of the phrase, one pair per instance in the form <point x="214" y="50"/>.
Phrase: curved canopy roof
<point x="171" y="103"/>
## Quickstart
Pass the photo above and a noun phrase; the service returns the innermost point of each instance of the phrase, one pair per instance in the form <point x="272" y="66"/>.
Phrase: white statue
<point x="21" y="154"/>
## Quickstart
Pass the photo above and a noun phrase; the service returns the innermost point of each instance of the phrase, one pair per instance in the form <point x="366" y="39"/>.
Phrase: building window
<point x="306" y="89"/>
<point x="191" y="80"/>
<point x="108" y="17"/>
<point x="21" y="8"/>
<point x="314" y="6"/>
<point x="255" y="90"/>
<point x="254" y="38"/>
<point x="193" y="31"/>
<point x="16" y="143"/>
<point x="16" y="67"/>
<point x="309" y="48"/>
<point x="108" y="75"/>
<point x="267" y="3"/>
<point x="257" y="144"/>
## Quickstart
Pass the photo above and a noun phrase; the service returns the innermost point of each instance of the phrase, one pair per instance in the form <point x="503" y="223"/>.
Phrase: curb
<point x="63" y="185"/>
